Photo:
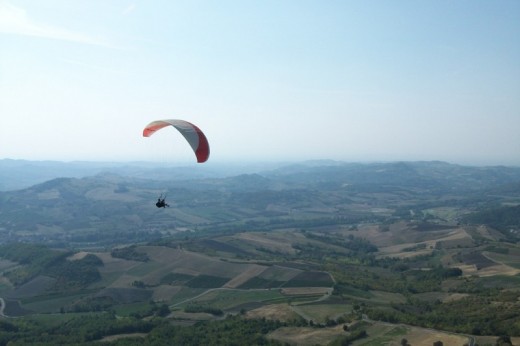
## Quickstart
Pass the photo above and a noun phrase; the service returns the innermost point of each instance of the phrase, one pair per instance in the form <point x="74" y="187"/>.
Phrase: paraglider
<point x="161" y="203"/>
<point x="195" y="137"/>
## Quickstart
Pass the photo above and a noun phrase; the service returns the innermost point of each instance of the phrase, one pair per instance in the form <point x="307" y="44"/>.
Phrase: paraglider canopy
<point x="192" y="133"/>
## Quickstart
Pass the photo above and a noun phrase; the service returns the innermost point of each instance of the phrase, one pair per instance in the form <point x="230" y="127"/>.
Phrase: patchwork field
<point x="276" y="275"/>
<point x="306" y="336"/>
<point x="321" y="312"/>
<point x="282" y="312"/>
<point x="410" y="244"/>
<point x="274" y="242"/>
<point x="326" y="248"/>
<point x="388" y="334"/>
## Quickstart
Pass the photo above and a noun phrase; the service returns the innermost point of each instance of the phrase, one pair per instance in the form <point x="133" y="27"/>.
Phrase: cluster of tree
<point x="310" y="278"/>
<point x="350" y="338"/>
<point x="420" y="281"/>
<point x="138" y="284"/>
<point x="503" y="340"/>
<point x="410" y="275"/>
<point x="437" y="273"/>
<point x="34" y="258"/>
<point x="501" y="218"/>
<point x="89" y="304"/>
<point x="153" y="309"/>
<point x="129" y="253"/>
<point x="475" y="315"/>
<point x="162" y="310"/>
<point x="233" y="330"/>
<point x="40" y="260"/>
<point x="206" y="281"/>
<point x="194" y="308"/>
<point x="78" y="330"/>
<point x="400" y="279"/>
<point x="317" y="253"/>
<point x="76" y="274"/>
<point x="30" y="253"/>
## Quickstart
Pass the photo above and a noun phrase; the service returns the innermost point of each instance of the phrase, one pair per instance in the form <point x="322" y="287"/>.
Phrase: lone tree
<point x="504" y="340"/>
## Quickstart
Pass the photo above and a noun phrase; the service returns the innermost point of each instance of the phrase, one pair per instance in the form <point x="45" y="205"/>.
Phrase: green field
<point x="320" y="313"/>
<point x="53" y="303"/>
<point x="227" y="299"/>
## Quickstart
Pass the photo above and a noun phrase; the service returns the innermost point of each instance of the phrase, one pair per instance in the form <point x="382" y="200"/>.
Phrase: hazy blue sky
<point x="266" y="80"/>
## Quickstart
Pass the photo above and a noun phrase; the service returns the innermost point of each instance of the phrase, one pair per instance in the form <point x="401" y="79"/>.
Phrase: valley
<point x="315" y="253"/>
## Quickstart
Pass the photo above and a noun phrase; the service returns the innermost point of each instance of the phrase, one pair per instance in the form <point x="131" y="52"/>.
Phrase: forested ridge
<point x="40" y="260"/>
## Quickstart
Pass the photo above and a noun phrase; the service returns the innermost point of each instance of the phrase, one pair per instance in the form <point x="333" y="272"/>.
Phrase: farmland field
<point x="281" y="312"/>
<point x="306" y="336"/>
<point x="511" y="258"/>
<point x="51" y="304"/>
<point x="320" y="313"/>
<point x="419" y="336"/>
<point x="386" y="334"/>
<point x="231" y="299"/>
<point x="327" y="249"/>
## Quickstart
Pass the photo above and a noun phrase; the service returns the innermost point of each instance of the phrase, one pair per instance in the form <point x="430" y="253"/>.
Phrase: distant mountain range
<point x="102" y="203"/>
<point x="19" y="174"/>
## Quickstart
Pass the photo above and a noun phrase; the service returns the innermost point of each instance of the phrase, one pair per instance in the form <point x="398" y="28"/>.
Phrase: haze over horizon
<point x="265" y="80"/>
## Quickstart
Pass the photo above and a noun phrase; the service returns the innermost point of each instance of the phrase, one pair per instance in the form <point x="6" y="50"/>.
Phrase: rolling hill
<point x="324" y="250"/>
<point x="108" y="208"/>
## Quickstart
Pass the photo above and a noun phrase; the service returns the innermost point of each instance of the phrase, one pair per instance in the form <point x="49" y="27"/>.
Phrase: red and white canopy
<point x="194" y="136"/>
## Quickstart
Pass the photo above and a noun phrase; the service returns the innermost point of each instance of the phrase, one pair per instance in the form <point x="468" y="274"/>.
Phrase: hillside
<point x="320" y="251"/>
<point x="427" y="275"/>
<point x="20" y="174"/>
<point x="108" y="208"/>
